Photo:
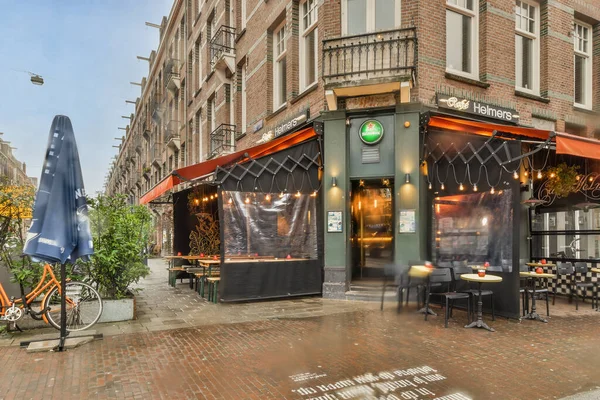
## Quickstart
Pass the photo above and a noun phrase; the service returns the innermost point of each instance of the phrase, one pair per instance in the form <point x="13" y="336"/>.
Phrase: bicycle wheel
<point x="84" y="306"/>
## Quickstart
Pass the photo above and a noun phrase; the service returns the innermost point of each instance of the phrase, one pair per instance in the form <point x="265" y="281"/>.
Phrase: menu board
<point x="407" y="221"/>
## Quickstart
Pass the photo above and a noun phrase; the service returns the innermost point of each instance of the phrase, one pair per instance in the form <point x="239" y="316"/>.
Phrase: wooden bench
<point x="213" y="288"/>
<point x="177" y="273"/>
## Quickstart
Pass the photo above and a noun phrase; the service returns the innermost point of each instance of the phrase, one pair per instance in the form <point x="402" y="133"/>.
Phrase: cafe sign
<point x="289" y="125"/>
<point x="477" y="108"/>
<point x="371" y="132"/>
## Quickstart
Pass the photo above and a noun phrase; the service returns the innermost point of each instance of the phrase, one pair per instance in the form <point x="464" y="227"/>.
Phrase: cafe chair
<point x="583" y="285"/>
<point x="564" y="272"/>
<point x="443" y="277"/>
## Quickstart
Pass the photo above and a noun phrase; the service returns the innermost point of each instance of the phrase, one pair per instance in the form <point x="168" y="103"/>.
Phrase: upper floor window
<point x="583" y="65"/>
<point x="462" y="37"/>
<point x="243" y="16"/>
<point x="362" y="16"/>
<point x="279" y="67"/>
<point x="527" y="23"/>
<point x="308" y="44"/>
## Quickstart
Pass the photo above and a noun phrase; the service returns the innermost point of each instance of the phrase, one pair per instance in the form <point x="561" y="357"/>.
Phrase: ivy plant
<point x="562" y="179"/>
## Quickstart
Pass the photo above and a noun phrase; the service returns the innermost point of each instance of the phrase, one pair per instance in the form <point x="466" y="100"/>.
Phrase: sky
<point x="86" y="52"/>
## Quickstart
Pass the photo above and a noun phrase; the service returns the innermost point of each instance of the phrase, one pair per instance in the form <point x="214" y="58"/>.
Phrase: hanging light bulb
<point x="515" y="175"/>
<point x="280" y="195"/>
<point x="247" y="201"/>
<point x="475" y="187"/>
<point x="526" y="173"/>
<point x="359" y="205"/>
<point x="461" y="187"/>
<point x="268" y="197"/>
<point x="375" y="203"/>
<point x="211" y="196"/>
<point x="578" y="177"/>
<point x="196" y="201"/>
<point x="314" y="194"/>
<point x="493" y="190"/>
<point x="552" y="175"/>
<point x="230" y="200"/>
<point x="539" y="174"/>
<point x="298" y="194"/>
<point x="430" y="186"/>
<point x="443" y="187"/>
<point x="591" y="179"/>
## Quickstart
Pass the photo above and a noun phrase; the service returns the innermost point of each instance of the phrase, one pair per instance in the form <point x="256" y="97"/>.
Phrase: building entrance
<point x="372" y="227"/>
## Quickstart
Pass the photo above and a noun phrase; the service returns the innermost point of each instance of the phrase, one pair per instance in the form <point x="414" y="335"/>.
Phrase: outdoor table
<point x="422" y="271"/>
<point x="540" y="265"/>
<point x="533" y="314"/>
<point x="596" y="271"/>
<point x="206" y="263"/>
<point x="480" y="280"/>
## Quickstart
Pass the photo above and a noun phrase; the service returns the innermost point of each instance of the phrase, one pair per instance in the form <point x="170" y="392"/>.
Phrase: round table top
<point x="532" y="264"/>
<point x="596" y="270"/>
<point x="485" y="279"/>
<point x="419" y="271"/>
<point x="536" y="275"/>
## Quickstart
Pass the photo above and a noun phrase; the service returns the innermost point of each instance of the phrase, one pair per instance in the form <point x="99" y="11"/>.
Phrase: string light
<point x="552" y="175"/>
<point x="461" y="187"/>
<point x="526" y="173"/>
<point x="539" y="175"/>
<point x="247" y="201"/>
<point x="515" y="175"/>
<point x="230" y="200"/>
<point x="375" y="203"/>
<point x="493" y="190"/>
<point x="196" y="201"/>
<point x="298" y="194"/>
<point x="430" y="186"/>
<point x="268" y="197"/>
<point x="314" y="194"/>
<point x="443" y="187"/>
<point x="475" y="187"/>
<point x="578" y="177"/>
<point x="280" y="195"/>
<point x="591" y="179"/>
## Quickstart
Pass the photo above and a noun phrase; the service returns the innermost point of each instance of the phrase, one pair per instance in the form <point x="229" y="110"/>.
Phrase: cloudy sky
<point x="86" y="51"/>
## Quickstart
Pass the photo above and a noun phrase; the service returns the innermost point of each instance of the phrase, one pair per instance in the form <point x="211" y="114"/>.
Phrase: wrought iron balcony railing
<point x="222" y="140"/>
<point x="171" y="74"/>
<point x="157" y="106"/>
<point x="172" y="130"/>
<point x="222" y="42"/>
<point x="383" y="54"/>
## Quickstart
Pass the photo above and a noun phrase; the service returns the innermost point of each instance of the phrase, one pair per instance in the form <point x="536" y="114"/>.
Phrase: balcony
<point x="222" y="140"/>
<point x="367" y="64"/>
<point x="172" y="138"/>
<point x="138" y="144"/>
<point x="157" y="106"/>
<point x="146" y="129"/>
<point x="222" y="52"/>
<point x="172" y="78"/>
<point x="146" y="171"/>
<point x="156" y="155"/>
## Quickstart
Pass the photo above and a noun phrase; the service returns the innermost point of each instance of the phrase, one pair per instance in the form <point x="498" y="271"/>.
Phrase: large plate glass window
<point x="462" y="37"/>
<point x="279" y="67"/>
<point x="308" y="44"/>
<point x="583" y="65"/>
<point x="363" y="16"/>
<point x="527" y="57"/>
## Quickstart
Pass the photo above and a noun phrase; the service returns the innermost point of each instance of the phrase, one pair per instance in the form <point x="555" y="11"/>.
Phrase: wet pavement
<point x="356" y="353"/>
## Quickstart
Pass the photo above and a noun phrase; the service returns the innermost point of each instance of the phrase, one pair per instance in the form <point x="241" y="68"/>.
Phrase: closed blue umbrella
<point x="60" y="229"/>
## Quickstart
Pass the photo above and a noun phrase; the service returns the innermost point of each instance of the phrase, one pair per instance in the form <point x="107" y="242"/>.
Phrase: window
<point x="242" y="88"/>
<point x="362" y="16"/>
<point x="198" y="132"/>
<point x="461" y="37"/>
<point x="213" y="115"/>
<point x="243" y="15"/>
<point x="583" y="65"/>
<point x="198" y="6"/>
<point x="198" y="61"/>
<point x="279" y="67"/>
<point x="527" y="47"/>
<point x="308" y="44"/>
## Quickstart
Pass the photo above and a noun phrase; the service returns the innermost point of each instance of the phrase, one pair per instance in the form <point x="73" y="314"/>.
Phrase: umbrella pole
<point x="63" y="307"/>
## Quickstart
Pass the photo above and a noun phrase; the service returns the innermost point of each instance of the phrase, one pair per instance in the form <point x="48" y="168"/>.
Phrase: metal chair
<point x="443" y="276"/>
<point x="524" y="291"/>
<point x="563" y="269"/>
<point x="584" y="284"/>
<point x="541" y="290"/>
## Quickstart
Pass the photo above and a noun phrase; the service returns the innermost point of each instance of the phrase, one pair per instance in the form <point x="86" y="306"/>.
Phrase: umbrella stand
<point x="63" y="307"/>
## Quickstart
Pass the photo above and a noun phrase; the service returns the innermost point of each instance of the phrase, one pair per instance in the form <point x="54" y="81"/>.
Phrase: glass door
<point x="372" y="227"/>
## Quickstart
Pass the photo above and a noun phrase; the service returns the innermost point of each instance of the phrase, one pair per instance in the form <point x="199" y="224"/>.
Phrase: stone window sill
<point x="532" y="96"/>
<point x="463" y="79"/>
<point x="585" y="110"/>
<point x="276" y="112"/>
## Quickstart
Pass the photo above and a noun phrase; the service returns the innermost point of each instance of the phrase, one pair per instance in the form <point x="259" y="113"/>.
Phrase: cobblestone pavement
<point x="355" y="354"/>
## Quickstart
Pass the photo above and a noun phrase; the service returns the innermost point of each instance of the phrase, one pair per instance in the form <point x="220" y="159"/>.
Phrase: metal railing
<point x="375" y="55"/>
<point x="171" y="71"/>
<point x="222" y="42"/>
<point x="157" y="106"/>
<point x="222" y="140"/>
<point x="172" y="130"/>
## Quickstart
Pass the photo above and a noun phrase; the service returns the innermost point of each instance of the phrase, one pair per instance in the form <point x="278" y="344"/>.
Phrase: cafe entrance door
<point x="372" y="227"/>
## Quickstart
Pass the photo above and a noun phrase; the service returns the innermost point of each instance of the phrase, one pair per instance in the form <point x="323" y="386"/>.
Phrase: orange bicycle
<point x="83" y="303"/>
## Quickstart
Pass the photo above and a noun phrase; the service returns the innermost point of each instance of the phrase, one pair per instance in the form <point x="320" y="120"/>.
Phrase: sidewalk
<point x="161" y="307"/>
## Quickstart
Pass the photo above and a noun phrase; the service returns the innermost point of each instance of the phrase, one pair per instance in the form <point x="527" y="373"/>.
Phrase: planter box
<point x="118" y="310"/>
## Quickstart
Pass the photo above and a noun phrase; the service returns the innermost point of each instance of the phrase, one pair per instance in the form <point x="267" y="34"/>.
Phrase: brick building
<point x="10" y="168"/>
<point x="230" y="74"/>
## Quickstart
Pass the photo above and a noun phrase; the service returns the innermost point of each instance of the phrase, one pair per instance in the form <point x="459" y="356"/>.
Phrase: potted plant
<point x="120" y="232"/>
<point x="562" y="179"/>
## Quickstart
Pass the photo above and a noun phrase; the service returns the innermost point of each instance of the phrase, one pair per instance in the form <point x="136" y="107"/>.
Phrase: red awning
<point x="565" y="143"/>
<point x="577" y="146"/>
<point x="484" y="128"/>
<point x="208" y="167"/>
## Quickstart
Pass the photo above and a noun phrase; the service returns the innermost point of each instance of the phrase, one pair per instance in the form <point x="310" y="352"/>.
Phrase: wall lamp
<point x="406" y="178"/>
<point x="333" y="181"/>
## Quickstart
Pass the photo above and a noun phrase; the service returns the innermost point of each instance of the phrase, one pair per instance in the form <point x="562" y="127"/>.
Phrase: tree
<point x="121" y="233"/>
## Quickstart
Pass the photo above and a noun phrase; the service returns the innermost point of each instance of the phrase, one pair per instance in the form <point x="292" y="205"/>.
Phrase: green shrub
<point x="120" y="233"/>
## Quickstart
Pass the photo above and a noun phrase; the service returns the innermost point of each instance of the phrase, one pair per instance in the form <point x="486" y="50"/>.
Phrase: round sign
<point x="371" y="131"/>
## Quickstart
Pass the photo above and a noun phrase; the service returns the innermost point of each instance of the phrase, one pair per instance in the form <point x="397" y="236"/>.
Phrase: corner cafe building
<point x="444" y="184"/>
